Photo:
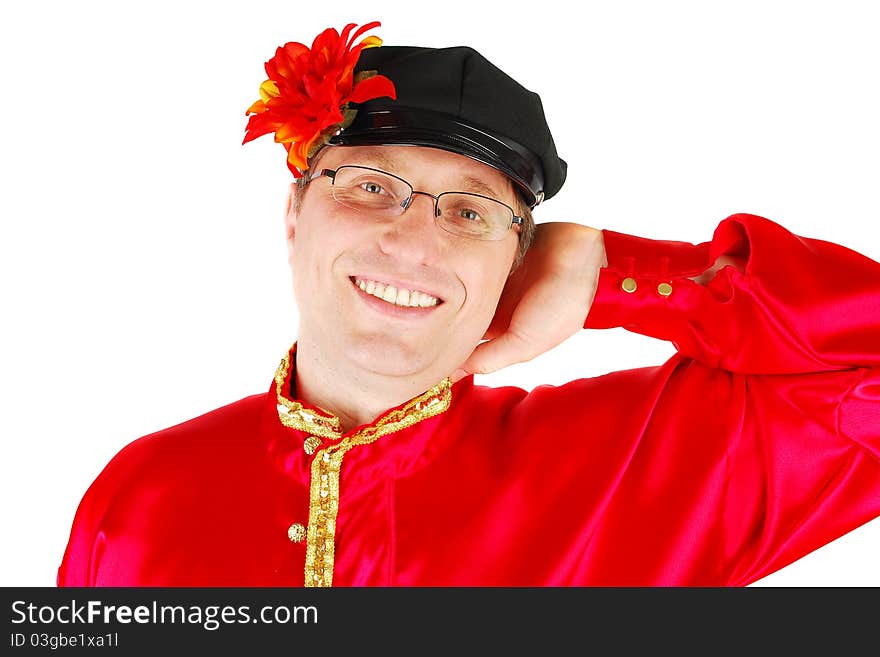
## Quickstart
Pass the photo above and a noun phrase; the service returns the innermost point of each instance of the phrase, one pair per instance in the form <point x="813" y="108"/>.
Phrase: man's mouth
<point x="396" y="296"/>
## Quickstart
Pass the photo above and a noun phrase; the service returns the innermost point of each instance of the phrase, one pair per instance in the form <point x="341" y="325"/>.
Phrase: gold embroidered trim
<point x="324" y="490"/>
<point x="293" y="415"/>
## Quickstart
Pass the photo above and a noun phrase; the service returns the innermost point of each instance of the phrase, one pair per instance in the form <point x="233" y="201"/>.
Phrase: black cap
<point x="455" y="99"/>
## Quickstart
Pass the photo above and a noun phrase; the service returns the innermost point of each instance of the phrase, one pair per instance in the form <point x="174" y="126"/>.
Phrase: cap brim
<point x="419" y="127"/>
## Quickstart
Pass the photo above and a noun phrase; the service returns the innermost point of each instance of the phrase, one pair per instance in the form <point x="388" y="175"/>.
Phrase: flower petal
<point x="361" y="30"/>
<point x="374" y="87"/>
<point x="268" y="90"/>
<point x="371" y="42"/>
<point x="259" y="125"/>
<point x="257" y="107"/>
<point x="344" y="43"/>
<point x="297" y="155"/>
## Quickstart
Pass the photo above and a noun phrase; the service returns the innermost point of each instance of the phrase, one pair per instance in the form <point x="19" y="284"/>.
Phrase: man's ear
<point x="290" y="211"/>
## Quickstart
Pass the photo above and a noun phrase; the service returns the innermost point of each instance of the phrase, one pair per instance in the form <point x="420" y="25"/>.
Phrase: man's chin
<point x="395" y="358"/>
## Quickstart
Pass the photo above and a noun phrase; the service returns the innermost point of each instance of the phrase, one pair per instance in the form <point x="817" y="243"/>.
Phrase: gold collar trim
<point x="294" y="415"/>
<point x="323" y="424"/>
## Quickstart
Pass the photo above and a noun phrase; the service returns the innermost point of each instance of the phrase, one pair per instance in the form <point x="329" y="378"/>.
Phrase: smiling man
<point x="375" y="460"/>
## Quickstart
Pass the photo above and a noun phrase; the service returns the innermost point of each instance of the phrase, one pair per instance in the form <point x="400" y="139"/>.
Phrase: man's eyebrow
<point x="471" y="184"/>
<point x="390" y="164"/>
<point x="380" y="161"/>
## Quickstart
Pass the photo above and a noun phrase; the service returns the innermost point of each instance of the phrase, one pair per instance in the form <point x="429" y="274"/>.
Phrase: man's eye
<point x="372" y="188"/>
<point x="470" y="215"/>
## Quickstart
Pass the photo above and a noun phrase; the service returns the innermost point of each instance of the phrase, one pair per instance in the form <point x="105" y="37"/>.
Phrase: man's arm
<point x="756" y="299"/>
<point x="760" y="440"/>
<point x="786" y="304"/>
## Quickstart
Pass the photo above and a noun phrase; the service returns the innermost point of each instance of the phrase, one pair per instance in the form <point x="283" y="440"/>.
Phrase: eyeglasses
<point x="460" y="213"/>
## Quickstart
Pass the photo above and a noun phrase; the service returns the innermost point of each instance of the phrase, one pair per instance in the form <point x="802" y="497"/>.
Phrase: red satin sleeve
<point x="793" y="389"/>
<point x="801" y="305"/>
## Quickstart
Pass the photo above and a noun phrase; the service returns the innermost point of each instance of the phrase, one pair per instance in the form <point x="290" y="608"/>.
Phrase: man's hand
<point x="545" y="301"/>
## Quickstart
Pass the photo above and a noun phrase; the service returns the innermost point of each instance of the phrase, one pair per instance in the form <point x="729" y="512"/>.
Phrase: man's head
<point x="396" y="294"/>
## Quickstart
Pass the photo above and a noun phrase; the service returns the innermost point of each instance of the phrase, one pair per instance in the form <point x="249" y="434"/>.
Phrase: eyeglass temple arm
<point x="323" y="172"/>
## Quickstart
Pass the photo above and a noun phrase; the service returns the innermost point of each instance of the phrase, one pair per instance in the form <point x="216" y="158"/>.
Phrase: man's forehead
<point x="378" y="156"/>
<point x="458" y="171"/>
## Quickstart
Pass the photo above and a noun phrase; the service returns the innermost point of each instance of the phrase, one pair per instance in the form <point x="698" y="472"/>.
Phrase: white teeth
<point x="402" y="297"/>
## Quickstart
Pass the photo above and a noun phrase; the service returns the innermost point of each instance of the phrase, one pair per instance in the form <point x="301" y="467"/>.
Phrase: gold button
<point x="311" y="444"/>
<point x="664" y="289"/>
<point x="296" y="533"/>
<point x="629" y="285"/>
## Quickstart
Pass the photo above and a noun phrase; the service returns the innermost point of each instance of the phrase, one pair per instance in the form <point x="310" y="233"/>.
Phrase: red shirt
<point x="756" y="443"/>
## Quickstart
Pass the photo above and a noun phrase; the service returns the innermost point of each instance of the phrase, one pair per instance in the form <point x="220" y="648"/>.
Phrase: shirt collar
<point x="315" y="421"/>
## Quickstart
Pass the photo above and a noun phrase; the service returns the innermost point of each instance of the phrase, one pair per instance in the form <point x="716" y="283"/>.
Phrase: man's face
<point x="334" y="250"/>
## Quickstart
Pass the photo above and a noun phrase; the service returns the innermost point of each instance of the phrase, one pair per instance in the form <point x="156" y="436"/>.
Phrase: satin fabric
<point x="756" y="443"/>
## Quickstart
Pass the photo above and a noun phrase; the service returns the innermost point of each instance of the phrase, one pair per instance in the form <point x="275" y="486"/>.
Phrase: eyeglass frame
<point x="515" y="220"/>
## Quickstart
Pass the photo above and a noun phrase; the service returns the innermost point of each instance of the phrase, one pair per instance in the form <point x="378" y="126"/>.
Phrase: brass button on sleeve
<point x="296" y="533"/>
<point x="664" y="289"/>
<point x="629" y="285"/>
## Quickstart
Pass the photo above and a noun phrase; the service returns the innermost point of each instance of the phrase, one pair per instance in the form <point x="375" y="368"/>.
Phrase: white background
<point x="144" y="275"/>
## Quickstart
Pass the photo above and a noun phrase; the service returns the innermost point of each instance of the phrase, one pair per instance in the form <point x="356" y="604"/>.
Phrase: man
<point x="374" y="459"/>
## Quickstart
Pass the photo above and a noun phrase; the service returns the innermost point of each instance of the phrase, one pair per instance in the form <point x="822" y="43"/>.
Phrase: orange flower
<point x="305" y="100"/>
